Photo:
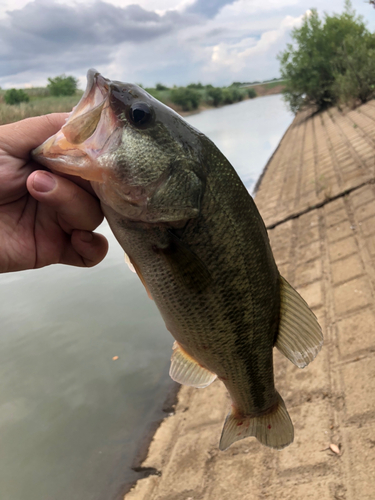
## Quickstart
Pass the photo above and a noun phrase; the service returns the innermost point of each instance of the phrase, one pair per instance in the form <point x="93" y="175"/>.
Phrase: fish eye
<point x="140" y="113"/>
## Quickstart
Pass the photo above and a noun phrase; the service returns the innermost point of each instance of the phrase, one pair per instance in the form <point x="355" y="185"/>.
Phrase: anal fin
<point x="299" y="337"/>
<point x="185" y="370"/>
<point x="273" y="429"/>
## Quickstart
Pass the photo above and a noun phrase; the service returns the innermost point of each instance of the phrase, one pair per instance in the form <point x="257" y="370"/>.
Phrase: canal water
<point x="72" y="416"/>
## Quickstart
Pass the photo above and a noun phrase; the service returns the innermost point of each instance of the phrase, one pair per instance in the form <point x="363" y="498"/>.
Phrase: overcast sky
<point x="150" y="41"/>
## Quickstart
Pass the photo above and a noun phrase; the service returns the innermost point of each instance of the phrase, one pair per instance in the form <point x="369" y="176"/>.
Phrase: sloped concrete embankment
<point x="317" y="198"/>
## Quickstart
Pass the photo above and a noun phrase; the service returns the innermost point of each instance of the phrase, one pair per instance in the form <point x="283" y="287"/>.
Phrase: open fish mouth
<point x="91" y="130"/>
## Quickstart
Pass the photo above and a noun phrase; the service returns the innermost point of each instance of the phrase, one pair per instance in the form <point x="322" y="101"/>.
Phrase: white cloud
<point x="160" y="6"/>
<point x="238" y="42"/>
<point x="244" y="58"/>
<point x="243" y="8"/>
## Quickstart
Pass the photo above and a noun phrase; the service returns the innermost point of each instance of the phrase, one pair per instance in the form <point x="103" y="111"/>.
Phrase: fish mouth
<point x="91" y="130"/>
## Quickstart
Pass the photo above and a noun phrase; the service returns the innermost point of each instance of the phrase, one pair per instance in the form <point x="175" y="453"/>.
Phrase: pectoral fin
<point x="129" y="263"/>
<point x="185" y="370"/>
<point x="300" y="337"/>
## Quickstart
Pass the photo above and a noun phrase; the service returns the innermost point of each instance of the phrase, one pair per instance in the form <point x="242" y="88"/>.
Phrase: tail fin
<point x="273" y="429"/>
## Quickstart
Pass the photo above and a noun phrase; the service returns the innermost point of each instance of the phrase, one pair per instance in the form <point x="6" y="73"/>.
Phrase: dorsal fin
<point x="300" y="337"/>
<point x="185" y="370"/>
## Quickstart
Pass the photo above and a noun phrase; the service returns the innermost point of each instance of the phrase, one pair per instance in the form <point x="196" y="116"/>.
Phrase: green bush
<point x="251" y="93"/>
<point x="187" y="98"/>
<point x="320" y="61"/>
<point x="215" y="95"/>
<point x="160" y="86"/>
<point x="62" y="85"/>
<point x="15" y="96"/>
<point x="231" y="95"/>
<point x="197" y="86"/>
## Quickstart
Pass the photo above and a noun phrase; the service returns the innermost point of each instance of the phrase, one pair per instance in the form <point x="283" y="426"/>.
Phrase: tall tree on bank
<point x="330" y="61"/>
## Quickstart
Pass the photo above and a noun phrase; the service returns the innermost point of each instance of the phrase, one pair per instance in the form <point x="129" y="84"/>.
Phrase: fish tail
<point x="273" y="428"/>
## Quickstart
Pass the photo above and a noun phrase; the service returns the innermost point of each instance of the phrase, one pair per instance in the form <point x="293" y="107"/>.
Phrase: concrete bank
<point x="317" y="198"/>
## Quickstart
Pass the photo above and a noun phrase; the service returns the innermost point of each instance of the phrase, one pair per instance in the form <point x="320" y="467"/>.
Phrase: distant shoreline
<point x="260" y="89"/>
<point x="46" y="105"/>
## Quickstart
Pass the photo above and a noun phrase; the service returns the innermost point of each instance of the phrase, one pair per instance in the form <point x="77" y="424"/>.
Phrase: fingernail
<point x="86" y="236"/>
<point x="43" y="182"/>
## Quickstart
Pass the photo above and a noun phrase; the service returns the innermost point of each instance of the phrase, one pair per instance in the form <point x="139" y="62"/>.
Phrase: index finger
<point x="20" y="138"/>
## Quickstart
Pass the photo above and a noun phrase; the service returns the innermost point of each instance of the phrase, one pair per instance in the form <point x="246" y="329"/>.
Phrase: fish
<point x="193" y="234"/>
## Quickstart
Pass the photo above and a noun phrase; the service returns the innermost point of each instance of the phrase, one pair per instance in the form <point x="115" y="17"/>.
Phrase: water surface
<point x="246" y="132"/>
<point x="71" y="418"/>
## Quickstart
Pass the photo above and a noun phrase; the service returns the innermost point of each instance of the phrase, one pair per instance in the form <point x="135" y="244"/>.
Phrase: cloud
<point x="149" y="41"/>
<point x="208" y="8"/>
<point x="43" y="34"/>
<point x="250" y="52"/>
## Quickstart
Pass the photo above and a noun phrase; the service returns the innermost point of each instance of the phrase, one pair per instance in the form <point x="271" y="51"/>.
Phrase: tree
<point x="160" y="86"/>
<point x="322" y="53"/>
<point x="187" y="98"/>
<point x="15" y="96"/>
<point x="62" y="85"/>
<point x="215" y="95"/>
<point x="357" y="82"/>
<point x="197" y="86"/>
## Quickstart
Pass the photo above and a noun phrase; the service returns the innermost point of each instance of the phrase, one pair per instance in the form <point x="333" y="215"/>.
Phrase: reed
<point x="36" y="107"/>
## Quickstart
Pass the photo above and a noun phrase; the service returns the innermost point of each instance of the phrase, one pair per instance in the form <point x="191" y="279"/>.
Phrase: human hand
<point x="44" y="218"/>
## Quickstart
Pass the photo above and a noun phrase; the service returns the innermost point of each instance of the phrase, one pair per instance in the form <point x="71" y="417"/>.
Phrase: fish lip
<point x="64" y="156"/>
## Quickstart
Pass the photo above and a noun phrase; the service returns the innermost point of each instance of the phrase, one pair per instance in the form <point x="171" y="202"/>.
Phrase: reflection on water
<point x="70" y="416"/>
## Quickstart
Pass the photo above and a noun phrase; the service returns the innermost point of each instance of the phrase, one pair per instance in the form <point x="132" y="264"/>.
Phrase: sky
<point x="174" y="42"/>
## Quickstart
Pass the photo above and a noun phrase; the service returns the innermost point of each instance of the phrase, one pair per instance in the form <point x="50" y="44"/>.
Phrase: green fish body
<point x="194" y="236"/>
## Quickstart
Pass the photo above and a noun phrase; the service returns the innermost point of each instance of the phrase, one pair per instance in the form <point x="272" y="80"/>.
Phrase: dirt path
<point x="324" y="244"/>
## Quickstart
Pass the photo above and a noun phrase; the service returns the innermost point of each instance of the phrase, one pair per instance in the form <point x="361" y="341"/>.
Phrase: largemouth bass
<point x="195" y="238"/>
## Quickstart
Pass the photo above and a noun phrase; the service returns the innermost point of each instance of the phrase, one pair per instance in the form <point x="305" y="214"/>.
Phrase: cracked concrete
<point x="317" y="198"/>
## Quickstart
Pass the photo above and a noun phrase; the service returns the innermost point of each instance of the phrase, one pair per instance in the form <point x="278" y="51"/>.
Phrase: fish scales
<point x="236" y="311"/>
<point x="196" y="239"/>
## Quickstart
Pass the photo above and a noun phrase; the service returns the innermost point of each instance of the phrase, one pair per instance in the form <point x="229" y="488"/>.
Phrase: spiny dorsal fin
<point x="300" y="337"/>
<point x="273" y="429"/>
<point x="185" y="370"/>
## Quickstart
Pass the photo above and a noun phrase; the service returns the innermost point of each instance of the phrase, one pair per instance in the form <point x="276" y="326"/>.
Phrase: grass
<point x="271" y="85"/>
<point x="36" y="106"/>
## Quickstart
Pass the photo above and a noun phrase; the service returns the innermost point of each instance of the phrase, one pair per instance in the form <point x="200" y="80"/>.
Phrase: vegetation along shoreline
<point x="62" y="94"/>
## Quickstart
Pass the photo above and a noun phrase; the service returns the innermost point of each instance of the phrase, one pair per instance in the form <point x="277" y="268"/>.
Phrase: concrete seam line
<point x="319" y="205"/>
